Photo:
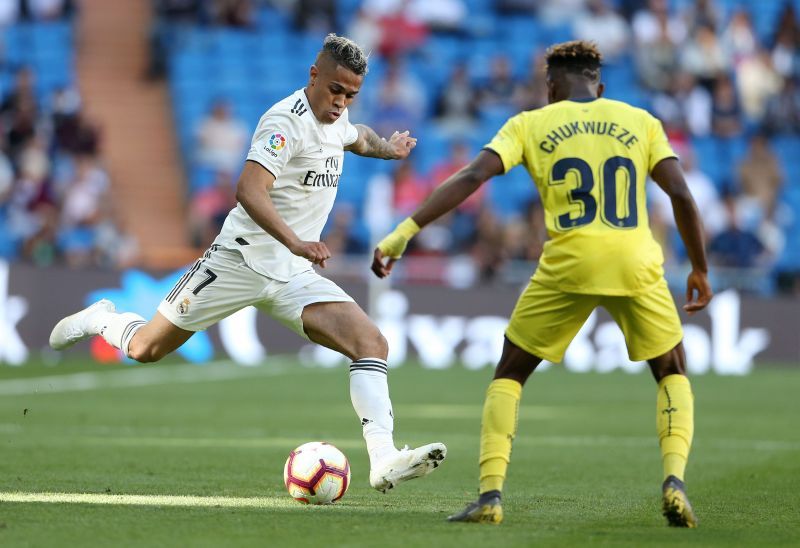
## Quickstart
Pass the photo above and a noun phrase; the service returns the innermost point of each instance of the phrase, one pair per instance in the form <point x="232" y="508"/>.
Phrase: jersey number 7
<point x="582" y="196"/>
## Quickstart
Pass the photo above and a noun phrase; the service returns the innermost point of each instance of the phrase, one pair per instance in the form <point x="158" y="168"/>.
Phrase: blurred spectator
<point x="208" y="208"/>
<point x="702" y="13"/>
<point x="736" y="246"/>
<point x="488" y="251"/>
<point x="401" y="100"/>
<point x="365" y="30"/>
<point x="657" y="60"/>
<point x="82" y="211"/>
<point x="441" y="16"/>
<point x="47" y="10"/>
<point x="232" y="13"/>
<point x="760" y="174"/>
<point x="463" y="220"/>
<point x="758" y="83"/>
<point x="401" y="31"/>
<point x="221" y="139"/>
<point x="499" y="89"/>
<point x="169" y="17"/>
<point x="410" y="189"/>
<point x="605" y="27"/>
<point x="726" y="114"/>
<point x="703" y="191"/>
<point x="783" y="110"/>
<point x="559" y="12"/>
<point x="83" y="196"/>
<point x="704" y="57"/>
<point x="655" y="24"/>
<point x="30" y="195"/>
<point x="9" y="12"/>
<point x="516" y="7"/>
<point x="316" y="16"/>
<point x="456" y="104"/>
<point x="532" y="92"/>
<point x="739" y="37"/>
<point x="115" y="247"/>
<point x="339" y="234"/>
<point x="23" y="92"/>
<point x="786" y="47"/>
<point x="685" y="105"/>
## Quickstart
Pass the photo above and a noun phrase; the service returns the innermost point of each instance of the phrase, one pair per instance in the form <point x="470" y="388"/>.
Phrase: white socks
<point x="369" y="392"/>
<point x="117" y="329"/>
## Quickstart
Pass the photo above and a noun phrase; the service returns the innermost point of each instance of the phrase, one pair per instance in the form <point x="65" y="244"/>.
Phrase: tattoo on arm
<point x="370" y="144"/>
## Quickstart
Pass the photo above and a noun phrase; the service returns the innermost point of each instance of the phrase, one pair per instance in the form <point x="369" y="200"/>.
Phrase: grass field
<point x="139" y="452"/>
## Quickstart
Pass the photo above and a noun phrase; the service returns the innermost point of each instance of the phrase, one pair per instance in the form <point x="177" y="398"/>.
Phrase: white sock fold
<point x="118" y="329"/>
<point x="369" y="392"/>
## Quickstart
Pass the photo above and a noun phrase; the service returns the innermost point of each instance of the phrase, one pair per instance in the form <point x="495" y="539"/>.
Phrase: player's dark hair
<point x="575" y="57"/>
<point x="345" y="52"/>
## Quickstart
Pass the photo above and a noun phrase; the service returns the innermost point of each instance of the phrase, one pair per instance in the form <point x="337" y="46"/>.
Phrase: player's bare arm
<point x="667" y="174"/>
<point x="444" y="198"/>
<point x="370" y="144"/>
<point x="252" y="191"/>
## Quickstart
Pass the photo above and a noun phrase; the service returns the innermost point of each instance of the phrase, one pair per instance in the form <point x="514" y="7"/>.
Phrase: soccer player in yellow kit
<point x="589" y="158"/>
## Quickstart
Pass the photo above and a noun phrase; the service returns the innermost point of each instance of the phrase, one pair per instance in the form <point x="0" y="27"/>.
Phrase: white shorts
<point x="220" y="283"/>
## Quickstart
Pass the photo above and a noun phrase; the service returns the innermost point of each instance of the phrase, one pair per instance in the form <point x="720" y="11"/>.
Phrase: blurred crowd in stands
<point x="54" y="189"/>
<point x="722" y="76"/>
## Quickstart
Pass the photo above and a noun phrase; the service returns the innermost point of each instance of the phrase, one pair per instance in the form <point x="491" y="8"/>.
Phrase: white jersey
<point x="306" y="158"/>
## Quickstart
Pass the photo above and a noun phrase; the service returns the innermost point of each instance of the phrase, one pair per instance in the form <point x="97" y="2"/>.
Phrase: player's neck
<point x="311" y="106"/>
<point x="581" y="93"/>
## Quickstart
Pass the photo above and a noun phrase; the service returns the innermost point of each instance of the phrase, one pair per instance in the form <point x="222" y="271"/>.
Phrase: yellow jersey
<point x="590" y="160"/>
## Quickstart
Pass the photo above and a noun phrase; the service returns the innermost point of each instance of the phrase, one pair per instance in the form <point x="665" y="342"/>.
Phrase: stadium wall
<point x="438" y="326"/>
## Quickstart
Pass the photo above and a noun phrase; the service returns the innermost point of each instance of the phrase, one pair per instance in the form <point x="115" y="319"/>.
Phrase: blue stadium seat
<point x="706" y="155"/>
<point x="51" y="37"/>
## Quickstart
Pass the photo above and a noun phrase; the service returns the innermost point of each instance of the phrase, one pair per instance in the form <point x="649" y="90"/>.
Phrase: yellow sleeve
<point x="508" y="142"/>
<point x="659" y="144"/>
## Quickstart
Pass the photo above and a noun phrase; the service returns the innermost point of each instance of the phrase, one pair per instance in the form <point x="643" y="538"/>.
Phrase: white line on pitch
<point x="149" y="500"/>
<point x="144" y="376"/>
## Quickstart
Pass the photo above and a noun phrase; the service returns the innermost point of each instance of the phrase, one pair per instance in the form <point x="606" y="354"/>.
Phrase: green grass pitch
<point x="585" y="467"/>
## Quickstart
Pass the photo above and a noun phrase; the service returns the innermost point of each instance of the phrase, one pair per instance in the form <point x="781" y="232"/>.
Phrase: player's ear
<point x="313" y="72"/>
<point x="601" y="87"/>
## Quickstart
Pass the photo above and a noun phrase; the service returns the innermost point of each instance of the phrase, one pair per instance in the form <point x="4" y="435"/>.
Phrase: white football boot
<point x="78" y="326"/>
<point x="406" y="464"/>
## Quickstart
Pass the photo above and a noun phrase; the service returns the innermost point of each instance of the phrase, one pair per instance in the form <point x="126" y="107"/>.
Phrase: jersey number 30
<point x="582" y="195"/>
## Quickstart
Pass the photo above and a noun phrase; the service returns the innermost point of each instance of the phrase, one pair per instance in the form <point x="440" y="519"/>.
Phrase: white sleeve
<point x="275" y="141"/>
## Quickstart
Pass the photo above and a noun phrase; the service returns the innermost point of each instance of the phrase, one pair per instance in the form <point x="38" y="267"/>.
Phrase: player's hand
<point x="316" y="252"/>
<point x="393" y="246"/>
<point x="401" y="144"/>
<point x="698" y="292"/>
<point x="380" y="268"/>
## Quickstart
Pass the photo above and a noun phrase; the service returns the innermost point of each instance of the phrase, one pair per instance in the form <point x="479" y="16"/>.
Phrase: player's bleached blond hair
<point x="576" y="57"/>
<point x="345" y="52"/>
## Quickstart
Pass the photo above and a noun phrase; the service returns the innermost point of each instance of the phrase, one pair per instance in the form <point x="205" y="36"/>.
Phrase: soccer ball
<point x="316" y="473"/>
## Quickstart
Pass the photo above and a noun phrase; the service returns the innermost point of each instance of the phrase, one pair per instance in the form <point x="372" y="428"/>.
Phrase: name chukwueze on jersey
<point x="564" y="132"/>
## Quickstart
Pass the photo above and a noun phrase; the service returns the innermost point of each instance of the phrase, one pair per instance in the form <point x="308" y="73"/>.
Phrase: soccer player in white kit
<point x="264" y="254"/>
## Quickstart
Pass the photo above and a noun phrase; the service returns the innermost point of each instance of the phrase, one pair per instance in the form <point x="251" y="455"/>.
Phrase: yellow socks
<point x="674" y="423"/>
<point x="498" y="428"/>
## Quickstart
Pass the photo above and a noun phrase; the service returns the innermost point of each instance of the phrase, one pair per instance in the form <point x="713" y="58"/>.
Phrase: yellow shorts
<point x="545" y="321"/>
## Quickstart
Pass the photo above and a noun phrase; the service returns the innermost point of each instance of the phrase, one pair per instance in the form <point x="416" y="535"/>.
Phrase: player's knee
<point x="666" y="368"/>
<point x="671" y="363"/>
<point x="373" y="345"/>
